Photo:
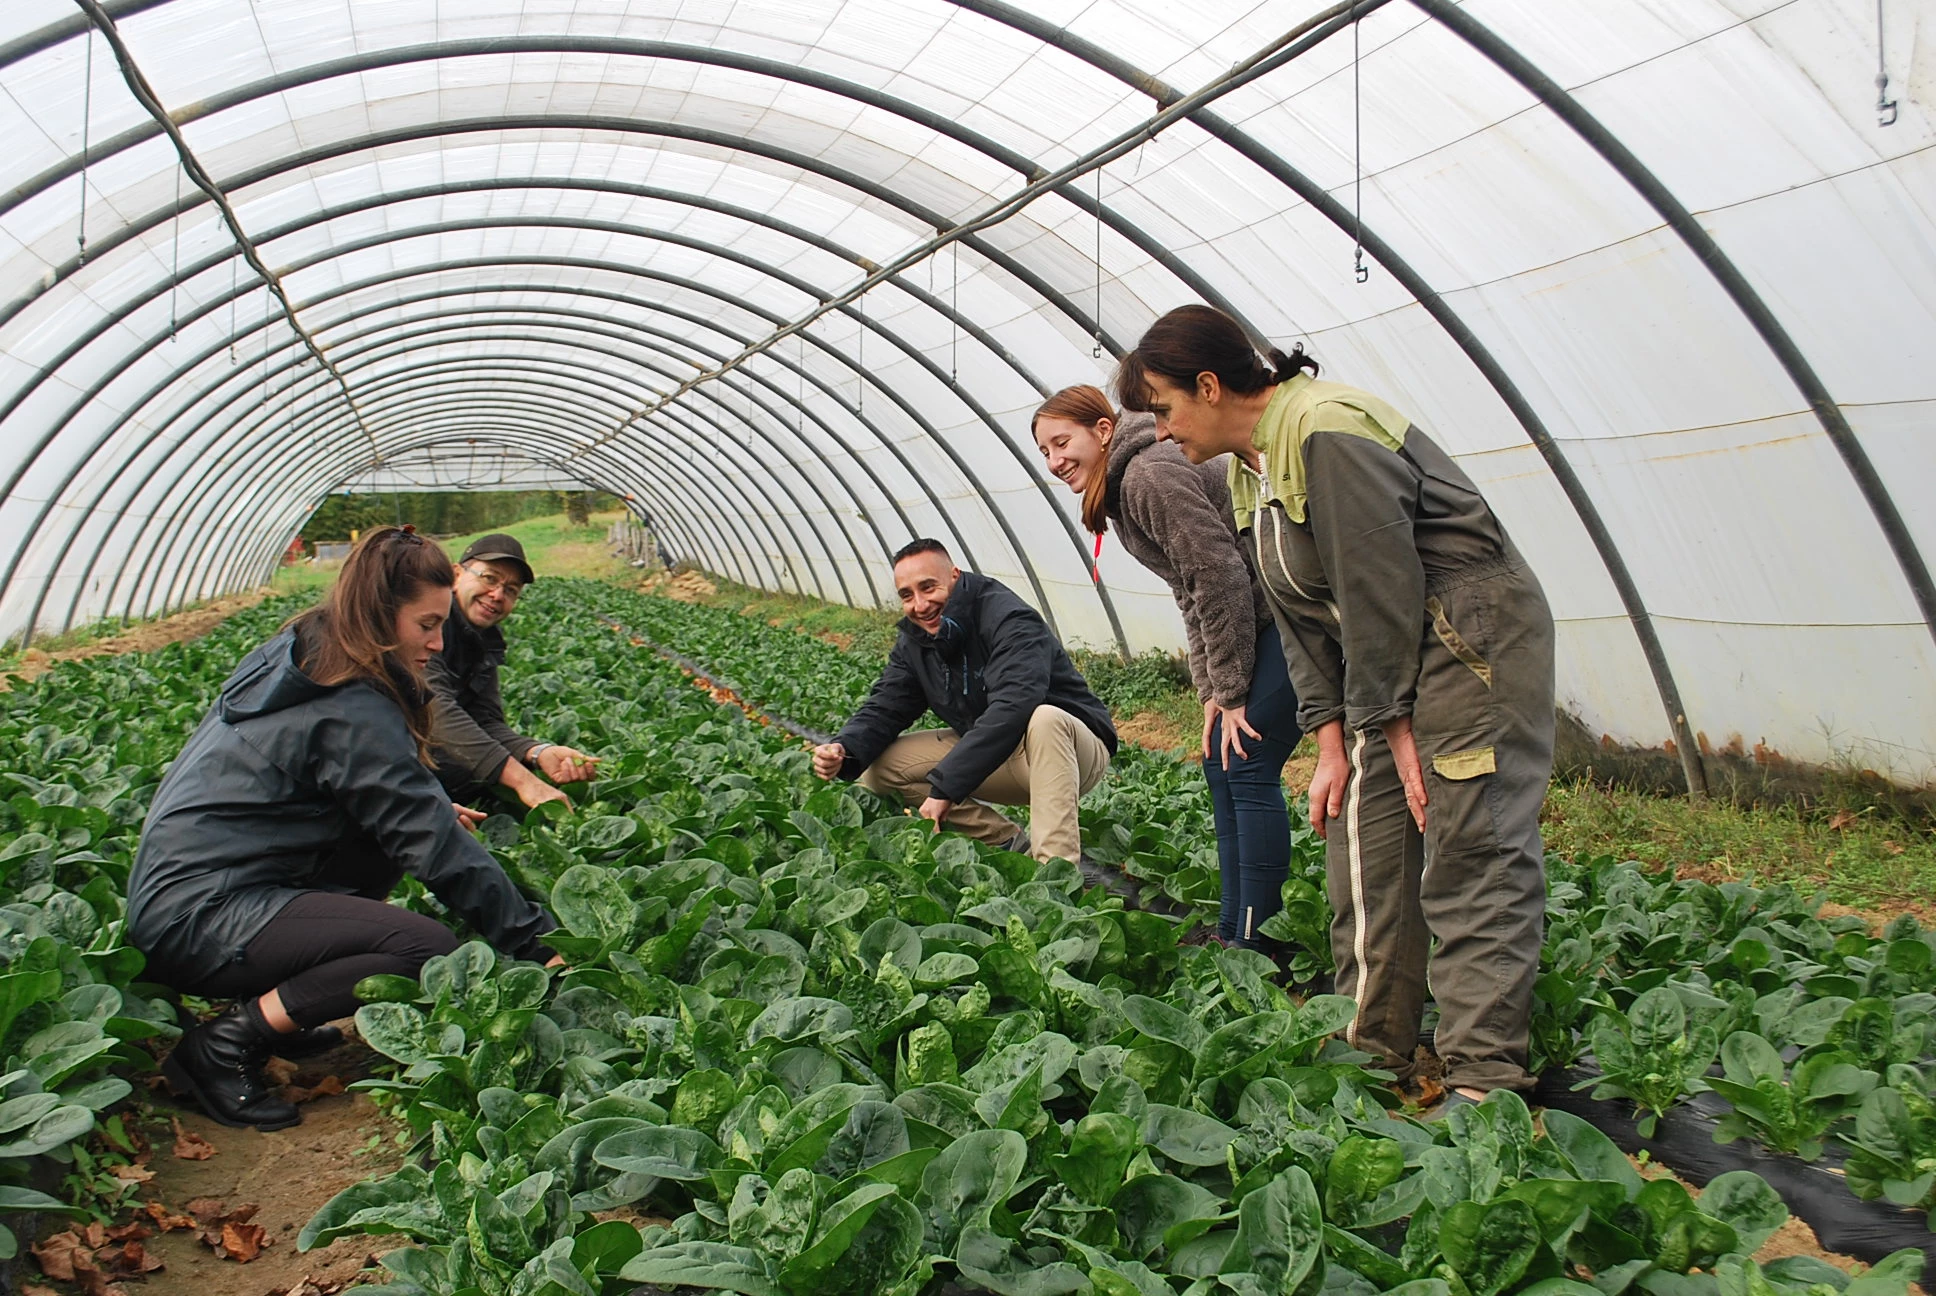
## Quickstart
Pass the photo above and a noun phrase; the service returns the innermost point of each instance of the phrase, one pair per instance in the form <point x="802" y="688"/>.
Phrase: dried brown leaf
<point x="166" y="1219"/>
<point x="130" y="1259"/>
<point x="190" y="1146"/>
<point x="208" y="1210"/>
<point x="243" y="1242"/>
<point x="132" y="1173"/>
<point x="327" y="1087"/>
<point x="56" y="1255"/>
<point x="34" y="1289"/>
<point x="1842" y="820"/>
<point x="280" y="1071"/>
<point x="134" y="1231"/>
<point x="96" y="1234"/>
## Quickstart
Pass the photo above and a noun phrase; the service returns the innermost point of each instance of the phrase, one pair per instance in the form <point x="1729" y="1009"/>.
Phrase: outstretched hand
<point x="828" y="758"/>
<point x="568" y="765"/>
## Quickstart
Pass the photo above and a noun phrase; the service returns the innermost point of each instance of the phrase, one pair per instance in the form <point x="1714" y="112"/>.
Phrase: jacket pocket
<point x="1455" y="642"/>
<point x="1468" y="764"/>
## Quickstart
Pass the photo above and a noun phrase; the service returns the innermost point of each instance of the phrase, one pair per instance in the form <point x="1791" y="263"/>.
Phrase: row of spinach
<point x="1819" y="1035"/>
<point x="805" y="1045"/>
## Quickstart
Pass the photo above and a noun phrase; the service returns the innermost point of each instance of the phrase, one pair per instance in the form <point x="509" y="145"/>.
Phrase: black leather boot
<point x="219" y="1064"/>
<point x="306" y="1043"/>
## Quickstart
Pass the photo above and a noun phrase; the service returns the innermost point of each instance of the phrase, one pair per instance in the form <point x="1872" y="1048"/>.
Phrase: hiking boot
<point x="1020" y="842"/>
<point x="309" y="1043"/>
<point x="219" y="1064"/>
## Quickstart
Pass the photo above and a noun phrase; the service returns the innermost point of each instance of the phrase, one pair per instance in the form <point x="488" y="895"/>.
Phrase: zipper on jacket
<point x="1284" y="563"/>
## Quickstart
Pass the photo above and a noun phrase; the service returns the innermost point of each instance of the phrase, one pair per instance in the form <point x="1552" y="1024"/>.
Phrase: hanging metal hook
<point x="1359" y="270"/>
<point x="1095" y="352"/>
<point x="1885" y="106"/>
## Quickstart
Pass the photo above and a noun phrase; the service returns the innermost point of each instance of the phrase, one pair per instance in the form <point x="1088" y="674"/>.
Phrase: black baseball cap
<point x="499" y="547"/>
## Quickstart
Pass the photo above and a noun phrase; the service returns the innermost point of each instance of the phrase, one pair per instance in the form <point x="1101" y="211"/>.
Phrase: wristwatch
<point x="532" y="754"/>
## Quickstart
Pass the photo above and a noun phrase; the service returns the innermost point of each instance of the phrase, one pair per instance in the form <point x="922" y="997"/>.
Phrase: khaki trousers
<point x="1059" y="760"/>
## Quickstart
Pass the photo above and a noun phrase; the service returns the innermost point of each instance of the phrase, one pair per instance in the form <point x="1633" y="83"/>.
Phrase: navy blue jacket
<point x="993" y="662"/>
<point x="284" y="774"/>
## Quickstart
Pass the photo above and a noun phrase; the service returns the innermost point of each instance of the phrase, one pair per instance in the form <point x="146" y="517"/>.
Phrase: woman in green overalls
<point x="1421" y="648"/>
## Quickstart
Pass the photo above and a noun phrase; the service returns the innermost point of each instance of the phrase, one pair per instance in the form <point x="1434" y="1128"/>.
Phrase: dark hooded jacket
<point x="472" y="739"/>
<point x="284" y="782"/>
<point x="1174" y="518"/>
<point x="993" y="662"/>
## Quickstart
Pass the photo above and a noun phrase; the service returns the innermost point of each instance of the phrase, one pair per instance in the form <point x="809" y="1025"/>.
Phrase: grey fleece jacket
<point x="1174" y="518"/>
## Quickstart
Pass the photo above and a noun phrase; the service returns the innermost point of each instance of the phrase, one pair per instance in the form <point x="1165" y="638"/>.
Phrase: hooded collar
<point x="1135" y="433"/>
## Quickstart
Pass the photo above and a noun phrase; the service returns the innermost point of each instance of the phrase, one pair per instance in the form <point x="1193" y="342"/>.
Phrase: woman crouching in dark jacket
<point x="295" y="807"/>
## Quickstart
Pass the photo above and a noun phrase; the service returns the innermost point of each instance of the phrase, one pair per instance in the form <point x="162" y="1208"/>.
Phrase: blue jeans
<point x="1253" y="824"/>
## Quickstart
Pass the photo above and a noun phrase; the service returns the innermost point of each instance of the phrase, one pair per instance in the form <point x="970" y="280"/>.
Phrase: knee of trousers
<point x="416" y="939"/>
<point x="1048" y="722"/>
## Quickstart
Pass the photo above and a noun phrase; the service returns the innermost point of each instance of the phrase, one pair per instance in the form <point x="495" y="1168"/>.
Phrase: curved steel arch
<point x="1442" y="312"/>
<point x="644" y="49"/>
<point x="368" y="360"/>
<point x="1855" y="458"/>
<point x="1022" y="555"/>
<point x="821" y="385"/>
<point x="561" y="394"/>
<point x="839" y="175"/>
<point x="671" y="476"/>
<point x="671" y="519"/>
<point x="266" y="416"/>
<point x="838" y="356"/>
<point x="968" y="473"/>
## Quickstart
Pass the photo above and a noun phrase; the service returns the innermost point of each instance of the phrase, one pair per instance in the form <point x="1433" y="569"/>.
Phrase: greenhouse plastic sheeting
<point x="1657" y="273"/>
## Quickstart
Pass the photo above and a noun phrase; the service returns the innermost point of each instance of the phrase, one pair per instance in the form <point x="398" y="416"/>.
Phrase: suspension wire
<point x="1096" y="351"/>
<point x="860" y="358"/>
<point x="1359" y="270"/>
<point x="87" y="129"/>
<point x="145" y="95"/>
<point x="235" y="279"/>
<point x="174" y="279"/>
<point x="1885" y="106"/>
<point x="954" y="319"/>
<point x="267" y="306"/>
<point x="1293" y="43"/>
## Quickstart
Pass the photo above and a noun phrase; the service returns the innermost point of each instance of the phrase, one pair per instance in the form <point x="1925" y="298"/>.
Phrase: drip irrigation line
<point x="145" y="95"/>
<point x="1305" y="35"/>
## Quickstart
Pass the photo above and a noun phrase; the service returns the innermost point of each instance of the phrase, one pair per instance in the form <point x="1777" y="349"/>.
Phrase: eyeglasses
<point x="490" y="580"/>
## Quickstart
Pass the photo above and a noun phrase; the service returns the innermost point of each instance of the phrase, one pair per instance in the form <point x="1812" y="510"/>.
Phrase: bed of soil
<point x="266" y="1186"/>
<point x="143" y="636"/>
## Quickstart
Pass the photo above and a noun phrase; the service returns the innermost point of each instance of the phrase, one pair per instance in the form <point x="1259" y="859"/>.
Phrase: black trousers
<point x="320" y="945"/>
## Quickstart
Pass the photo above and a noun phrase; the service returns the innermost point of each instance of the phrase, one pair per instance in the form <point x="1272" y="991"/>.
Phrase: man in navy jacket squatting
<point x="1023" y="726"/>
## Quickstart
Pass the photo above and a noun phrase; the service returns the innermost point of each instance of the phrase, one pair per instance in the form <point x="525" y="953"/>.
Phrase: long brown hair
<point x="1087" y="405"/>
<point x="1201" y="339"/>
<point x="351" y="635"/>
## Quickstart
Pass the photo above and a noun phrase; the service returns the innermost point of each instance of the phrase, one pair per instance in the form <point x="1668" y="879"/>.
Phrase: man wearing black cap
<point x="475" y="747"/>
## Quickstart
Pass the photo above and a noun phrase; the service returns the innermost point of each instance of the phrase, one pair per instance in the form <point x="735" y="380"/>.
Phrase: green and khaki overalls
<point x="1398" y="592"/>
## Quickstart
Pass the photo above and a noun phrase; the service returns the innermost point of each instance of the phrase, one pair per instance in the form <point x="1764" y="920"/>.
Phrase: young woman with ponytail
<point x="1175" y="519"/>
<point x="1421" y="646"/>
<point x="279" y="831"/>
